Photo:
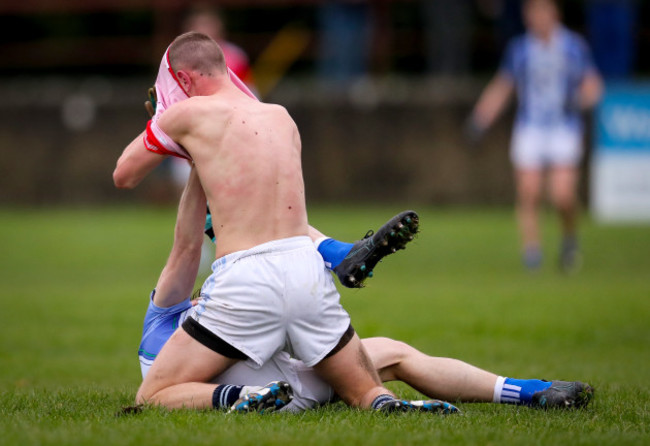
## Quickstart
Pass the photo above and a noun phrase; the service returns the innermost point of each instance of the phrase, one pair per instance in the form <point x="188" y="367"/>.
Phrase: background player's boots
<point x="563" y="394"/>
<point x="274" y="396"/>
<point x="432" y="406"/>
<point x="570" y="258"/>
<point x="367" y="252"/>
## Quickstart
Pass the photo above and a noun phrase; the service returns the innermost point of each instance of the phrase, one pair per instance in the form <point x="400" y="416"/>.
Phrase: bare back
<point x="247" y="155"/>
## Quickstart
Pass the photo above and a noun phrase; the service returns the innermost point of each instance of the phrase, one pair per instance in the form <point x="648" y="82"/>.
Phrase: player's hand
<point x="151" y="102"/>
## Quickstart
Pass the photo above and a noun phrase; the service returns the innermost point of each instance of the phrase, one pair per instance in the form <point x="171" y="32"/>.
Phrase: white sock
<point x="498" y="387"/>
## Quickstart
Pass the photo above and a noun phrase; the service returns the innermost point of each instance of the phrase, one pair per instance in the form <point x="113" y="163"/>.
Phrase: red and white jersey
<point x="170" y="91"/>
<point x="168" y="88"/>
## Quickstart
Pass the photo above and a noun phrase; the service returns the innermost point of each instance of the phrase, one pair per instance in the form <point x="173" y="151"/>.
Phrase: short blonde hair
<point x="197" y="52"/>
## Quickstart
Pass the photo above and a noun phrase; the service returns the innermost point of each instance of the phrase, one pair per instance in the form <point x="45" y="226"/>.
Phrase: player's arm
<point x="135" y="163"/>
<point x="590" y="90"/>
<point x="149" y="148"/>
<point x="177" y="279"/>
<point x="493" y="101"/>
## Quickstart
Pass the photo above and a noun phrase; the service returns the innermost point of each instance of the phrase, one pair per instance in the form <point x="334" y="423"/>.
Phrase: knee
<point x="388" y="355"/>
<point x="528" y="200"/>
<point x="564" y="201"/>
<point x="395" y="350"/>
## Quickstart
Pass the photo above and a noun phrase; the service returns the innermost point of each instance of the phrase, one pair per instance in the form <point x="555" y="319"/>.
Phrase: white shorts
<point x="539" y="147"/>
<point x="309" y="390"/>
<point x="273" y="297"/>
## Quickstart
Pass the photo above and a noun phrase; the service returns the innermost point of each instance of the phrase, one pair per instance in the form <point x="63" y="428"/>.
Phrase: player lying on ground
<point x="351" y="262"/>
<point x="438" y="378"/>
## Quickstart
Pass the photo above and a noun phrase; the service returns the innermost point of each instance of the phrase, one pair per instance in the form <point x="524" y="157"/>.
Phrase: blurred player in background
<point x="436" y="377"/>
<point x="552" y="72"/>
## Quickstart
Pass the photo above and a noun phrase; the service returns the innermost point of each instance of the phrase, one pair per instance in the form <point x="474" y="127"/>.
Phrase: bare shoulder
<point x="279" y="113"/>
<point x="179" y="112"/>
<point x="277" y="108"/>
<point x="194" y="108"/>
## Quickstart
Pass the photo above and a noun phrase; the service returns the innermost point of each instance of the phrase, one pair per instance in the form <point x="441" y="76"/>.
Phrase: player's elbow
<point x="123" y="181"/>
<point x="188" y="245"/>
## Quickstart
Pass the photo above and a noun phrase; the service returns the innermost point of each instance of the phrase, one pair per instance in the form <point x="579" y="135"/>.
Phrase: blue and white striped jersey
<point x="547" y="76"/>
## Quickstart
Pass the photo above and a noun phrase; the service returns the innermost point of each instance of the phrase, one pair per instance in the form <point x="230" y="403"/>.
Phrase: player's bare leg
<point x="180" y="375"/>
<point x="451" y="379"/>
<point x="355" y="380"/>
<point x="352" y="375"/>
<point x="529" y="192"/>
<point x="563" y="190"/>
<point x="443" y="378"/>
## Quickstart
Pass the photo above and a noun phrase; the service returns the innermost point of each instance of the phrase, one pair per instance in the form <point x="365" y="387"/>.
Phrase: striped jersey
<point x="547" y="76"/>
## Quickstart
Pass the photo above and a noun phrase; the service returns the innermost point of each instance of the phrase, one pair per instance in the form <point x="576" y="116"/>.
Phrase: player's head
<point x="541" y="16"/>
<point x="196" y="59"/>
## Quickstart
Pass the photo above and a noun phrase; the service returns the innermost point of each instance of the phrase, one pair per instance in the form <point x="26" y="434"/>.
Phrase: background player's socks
<point x="532" y="258"/>
<point x="517" y="391"/>
<point x="332" y="251"/>
<point x="225" y="395"/>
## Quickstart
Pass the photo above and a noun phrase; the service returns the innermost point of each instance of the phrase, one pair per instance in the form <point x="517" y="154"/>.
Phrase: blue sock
<point x="333" y="251"/>
<point x="518" y="391"/>
<point x="225" y="396"/>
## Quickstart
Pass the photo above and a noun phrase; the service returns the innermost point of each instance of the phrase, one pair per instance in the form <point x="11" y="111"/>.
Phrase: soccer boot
<point x="367" y="252"/>
<point x="274" y="396"/>
<point x="431" y="406"/>
<point x="563" y="394"/>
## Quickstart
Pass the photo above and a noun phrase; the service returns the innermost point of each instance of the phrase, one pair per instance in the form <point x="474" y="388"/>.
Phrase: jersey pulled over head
<point x="196" y="52"/>
<point x="193" y="52"/>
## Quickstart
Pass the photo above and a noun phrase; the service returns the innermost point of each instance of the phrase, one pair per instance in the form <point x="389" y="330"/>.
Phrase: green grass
<point x="74" y="286"/>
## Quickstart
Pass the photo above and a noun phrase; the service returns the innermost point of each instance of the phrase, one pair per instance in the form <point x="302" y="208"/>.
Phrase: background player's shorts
<point x="309" y="390"/>
<point x="538" y="147"/>
<point x="273" y="297"/>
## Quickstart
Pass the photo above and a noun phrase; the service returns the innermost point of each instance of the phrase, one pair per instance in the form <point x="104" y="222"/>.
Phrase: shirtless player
<point x="269" y="290"/>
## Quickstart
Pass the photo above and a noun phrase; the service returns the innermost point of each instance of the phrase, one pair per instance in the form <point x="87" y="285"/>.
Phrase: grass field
<point x="74" y="286"/>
